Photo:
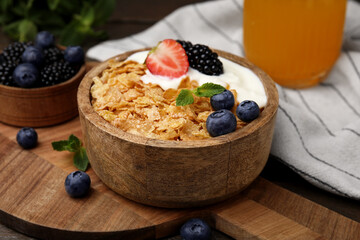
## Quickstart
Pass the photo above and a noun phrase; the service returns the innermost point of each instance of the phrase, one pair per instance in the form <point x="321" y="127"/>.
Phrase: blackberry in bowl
<point x="37" y="86"/>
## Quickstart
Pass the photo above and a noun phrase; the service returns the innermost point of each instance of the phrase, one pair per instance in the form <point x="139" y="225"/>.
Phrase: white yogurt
<point x="247" y="85"/>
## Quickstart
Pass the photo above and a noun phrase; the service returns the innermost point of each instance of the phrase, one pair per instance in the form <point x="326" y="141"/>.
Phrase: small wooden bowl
<point x="40" y="107"/>
<point x="177" y="174"/>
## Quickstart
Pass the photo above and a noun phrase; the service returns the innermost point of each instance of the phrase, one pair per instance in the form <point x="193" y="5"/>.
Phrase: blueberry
<point x="33" y="55"/>
<point x="27" y="137"/>
<point x="221" y="122"/>
<point x="247" y="110"/>
<point x="77" y="184"/>
<point x="25" y="75"/>
<point x="195" y="229"/>
<point x="74" y="55"/>
<point x="224" y="100"/>
<point x="44" y="40"/>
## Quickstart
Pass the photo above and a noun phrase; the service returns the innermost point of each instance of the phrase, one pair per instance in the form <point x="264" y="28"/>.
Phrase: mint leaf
<point x="5" y="5"/>
<point x="103" y="10"/>
<point x="73" y="144"/>
<point x="29" y="4"/>
<point x="81" y="160"/>
<point x="185" y="97"/>
<point x="62" y="145"/>
<point x="68" y="37"/>
<point x="27" y="30"/>
<point x="208" y="90"/>
<point x="53" y="4"/>
<point x="87" y="14"/>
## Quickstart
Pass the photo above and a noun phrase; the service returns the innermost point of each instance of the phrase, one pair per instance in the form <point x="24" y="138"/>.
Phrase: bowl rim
<point x="268" y="113"/>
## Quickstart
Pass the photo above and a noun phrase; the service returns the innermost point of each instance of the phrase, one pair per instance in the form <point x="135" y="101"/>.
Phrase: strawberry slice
<point x="168" y="59"/>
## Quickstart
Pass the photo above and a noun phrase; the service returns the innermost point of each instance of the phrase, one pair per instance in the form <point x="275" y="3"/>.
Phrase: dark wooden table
<point x="134" y="16"/>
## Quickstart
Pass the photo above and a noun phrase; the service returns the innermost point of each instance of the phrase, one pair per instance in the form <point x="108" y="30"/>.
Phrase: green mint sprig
<point x="74" y="145"/>
<point x="186" y="97"/>
<point x="72" y="22"/>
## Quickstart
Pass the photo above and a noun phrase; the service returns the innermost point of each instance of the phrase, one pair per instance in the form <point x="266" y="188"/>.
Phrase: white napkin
<point x="317" y="131"/>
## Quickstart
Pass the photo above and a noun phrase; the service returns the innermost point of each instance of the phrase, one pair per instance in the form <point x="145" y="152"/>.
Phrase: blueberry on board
<point x="224" y="100"/>
<point x="247" y="110"/>
<point x="74" y="55"/>
<point x="33" y="55"/>
<point x="44" y="40"/>
<point x="195" y="229"/>
<point x="77" y="184"/>
<point x="27" y="137"/>
<point x="25" y="75"/>
<point x="221" y="122"/>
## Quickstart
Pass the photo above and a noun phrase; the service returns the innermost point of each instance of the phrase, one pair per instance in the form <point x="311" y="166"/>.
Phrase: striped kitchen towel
<point x="317" y="132"/>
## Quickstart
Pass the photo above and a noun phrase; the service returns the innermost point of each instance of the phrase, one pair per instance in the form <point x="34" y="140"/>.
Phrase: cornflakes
<point x="121" y="98"/>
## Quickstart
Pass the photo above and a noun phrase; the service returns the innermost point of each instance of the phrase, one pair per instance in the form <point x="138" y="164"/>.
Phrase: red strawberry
<point x="168" y="59"/>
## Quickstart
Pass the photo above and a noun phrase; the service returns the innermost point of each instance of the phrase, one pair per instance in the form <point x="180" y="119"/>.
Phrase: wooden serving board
<point x="33" y="201"/>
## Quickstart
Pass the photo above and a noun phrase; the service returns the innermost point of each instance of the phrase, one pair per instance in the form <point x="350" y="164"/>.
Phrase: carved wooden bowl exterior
<point x="39" y="107"/>
<point x="177" y="174"/>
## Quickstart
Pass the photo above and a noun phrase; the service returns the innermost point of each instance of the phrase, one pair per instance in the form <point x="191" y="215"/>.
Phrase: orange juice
<point x="295" y="41"/>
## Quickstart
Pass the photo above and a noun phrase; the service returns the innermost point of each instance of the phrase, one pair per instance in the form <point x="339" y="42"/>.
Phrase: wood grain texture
<point x="172" y="173"/>
<point x="318" y="219"/>
<point x="38" y="107"/>
<point x="33" y="201"/>
<point x="10" y="234"/>
<point x="257" y="220"/>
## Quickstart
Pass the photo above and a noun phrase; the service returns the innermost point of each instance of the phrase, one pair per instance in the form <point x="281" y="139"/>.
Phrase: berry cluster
<point x="56" y="72"/>
<point x="223" y="121"/>
<point x="41" y="64"/>
<point x="6" y="70"/>
<point x="53" y="54"/>
<point x="202" y="58"/>
<point x="12" y="53"/>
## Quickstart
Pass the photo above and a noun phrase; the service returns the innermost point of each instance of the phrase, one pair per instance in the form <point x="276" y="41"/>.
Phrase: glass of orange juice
<point x="295" y="41"/>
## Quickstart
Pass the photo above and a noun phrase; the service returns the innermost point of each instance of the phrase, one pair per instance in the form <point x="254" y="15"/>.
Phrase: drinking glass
<point x="295" y="41"/>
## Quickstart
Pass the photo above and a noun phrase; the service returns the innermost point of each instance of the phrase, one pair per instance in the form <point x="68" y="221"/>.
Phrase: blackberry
<point x="52" y="55"/>
<point x="6" y="72"/>
<point x="202" y="58"/>
<point x="185" y="44"/>
<point x="12" y="53"/>
<point x="56" y="73"/>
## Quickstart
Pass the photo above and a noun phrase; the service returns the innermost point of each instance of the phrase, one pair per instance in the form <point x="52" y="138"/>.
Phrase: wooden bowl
<point x="39" y="107"/>
<point x="177" y="174"/>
